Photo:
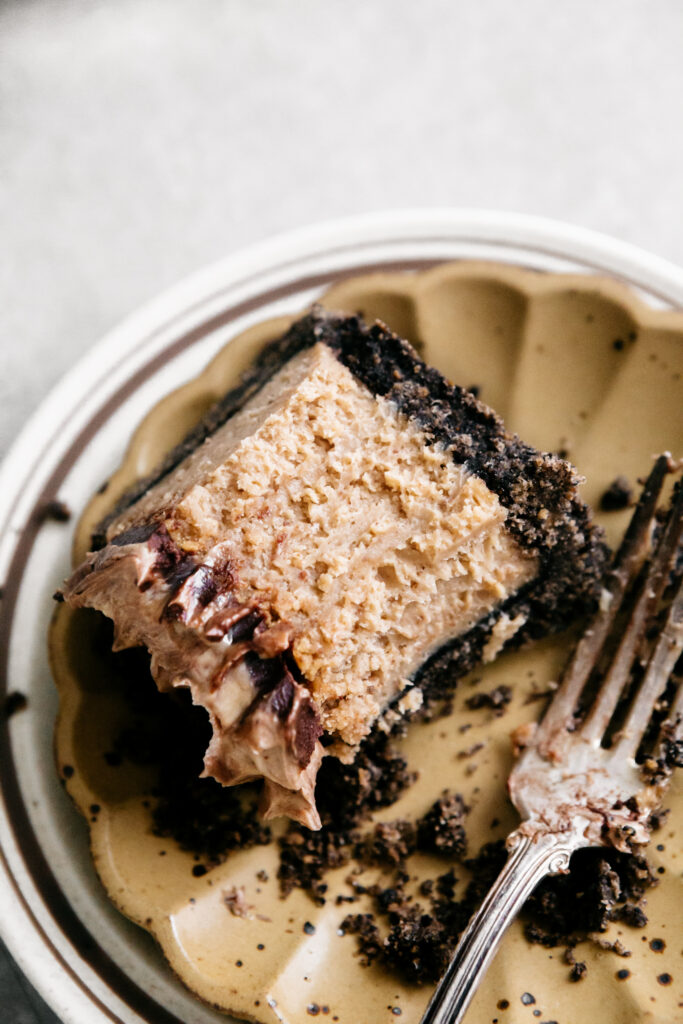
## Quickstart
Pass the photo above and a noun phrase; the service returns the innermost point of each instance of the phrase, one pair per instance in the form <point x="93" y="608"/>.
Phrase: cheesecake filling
<point x="298" y="568"/>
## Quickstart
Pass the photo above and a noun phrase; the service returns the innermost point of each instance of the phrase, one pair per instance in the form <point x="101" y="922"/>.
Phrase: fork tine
<point x="666" y="653"/>
<point x="626" y="564"/>
<point x="646" y="604"/>
<point x="672" y="727"/>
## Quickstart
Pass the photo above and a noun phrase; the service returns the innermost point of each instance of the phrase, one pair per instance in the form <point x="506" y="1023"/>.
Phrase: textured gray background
<point x="141" y="139"/>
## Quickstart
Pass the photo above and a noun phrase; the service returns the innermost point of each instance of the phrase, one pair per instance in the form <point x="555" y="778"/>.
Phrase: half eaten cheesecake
<point x="342" y="533"/>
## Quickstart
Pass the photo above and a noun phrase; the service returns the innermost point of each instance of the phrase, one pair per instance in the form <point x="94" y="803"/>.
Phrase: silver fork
<point x="571" y="785"/>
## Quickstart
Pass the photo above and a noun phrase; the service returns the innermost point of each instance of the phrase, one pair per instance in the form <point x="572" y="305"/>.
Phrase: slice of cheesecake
<point x="343" y="535"/>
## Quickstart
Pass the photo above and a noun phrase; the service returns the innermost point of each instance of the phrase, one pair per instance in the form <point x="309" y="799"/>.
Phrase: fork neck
<point x="531" y="859"/>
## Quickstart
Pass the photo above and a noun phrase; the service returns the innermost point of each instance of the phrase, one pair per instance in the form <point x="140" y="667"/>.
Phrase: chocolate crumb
<point x="14" y="701"/>
<point x="535" y="695"/>
<point x="657" y="945"/>
<point x="502" y="1004"/>
<point x="664" y="979"/>
<point x="527" y="998"/>
<point x="470" y="751"/>
<point x="309" y="928"/>
<point x="313" y="1009"/>
<point x="578" y="971"/>
<point x="441" y="829"/>
<point x="618" y="495"/>
<point x="496" y="699"/>
<point x="262" y="875"/>
<point x="56" y="510"/>
<point x="198" y="870"/>
<point x="67" y="771"/>
<point x="390" y="842"/>
<point x="623" y="973"/>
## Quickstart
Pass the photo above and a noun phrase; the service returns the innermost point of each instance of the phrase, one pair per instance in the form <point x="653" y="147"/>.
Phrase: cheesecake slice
<point x="340" y="538"/>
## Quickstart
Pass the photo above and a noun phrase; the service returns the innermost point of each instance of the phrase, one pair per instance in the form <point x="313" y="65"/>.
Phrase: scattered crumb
<point x="14" y="701"/>
<point x="496" y="699"/>
<point x="235" y="901"/>
<point x="441" y="829"/>
<point x="470" y="751"/>
<point x="618" y="495"/>
<point x="55" y="510"/>
<point x="615" y="947"/>
<point x="579" y="971"/>
<point x="389" y="842"/>
<point x="522" y="736"/>
<point x="659" y="818"/>
<point x="536" y="695"/>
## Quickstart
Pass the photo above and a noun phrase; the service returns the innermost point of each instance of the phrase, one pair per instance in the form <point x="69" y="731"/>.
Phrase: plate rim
<point x="641" y="269"/>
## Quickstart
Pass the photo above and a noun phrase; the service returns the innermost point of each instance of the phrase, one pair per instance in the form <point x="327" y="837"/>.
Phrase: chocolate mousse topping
<point x="336" y="542"/>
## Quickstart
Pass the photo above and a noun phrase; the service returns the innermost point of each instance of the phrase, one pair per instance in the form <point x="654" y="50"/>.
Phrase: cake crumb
<point x="235" y="901"/>
<point x="441" y="829"/>
<point x="496" y="699"/>
<point x="14" y="702"/>
<point x="618" y="495"/>
<point x="55" y="510"/>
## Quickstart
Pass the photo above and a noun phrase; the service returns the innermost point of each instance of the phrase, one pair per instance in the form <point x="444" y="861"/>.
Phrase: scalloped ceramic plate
<point x="571" y="361"/>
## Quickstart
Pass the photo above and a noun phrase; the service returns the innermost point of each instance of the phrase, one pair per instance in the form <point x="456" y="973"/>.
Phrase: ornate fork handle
<point x="529" y="861"/>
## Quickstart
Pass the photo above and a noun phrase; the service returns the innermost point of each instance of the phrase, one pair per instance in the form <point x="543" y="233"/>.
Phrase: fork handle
<point x="529" y="861"/>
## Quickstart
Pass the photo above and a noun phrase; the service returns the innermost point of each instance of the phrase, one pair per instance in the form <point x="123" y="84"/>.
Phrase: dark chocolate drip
<point x="265" y="672"/>
<point x="281" y="697"/>
<point x="212" y="580"/>
<point x="287" y="700"/>
<point x="307" y="731"/>
<point x="172" y="562"/>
